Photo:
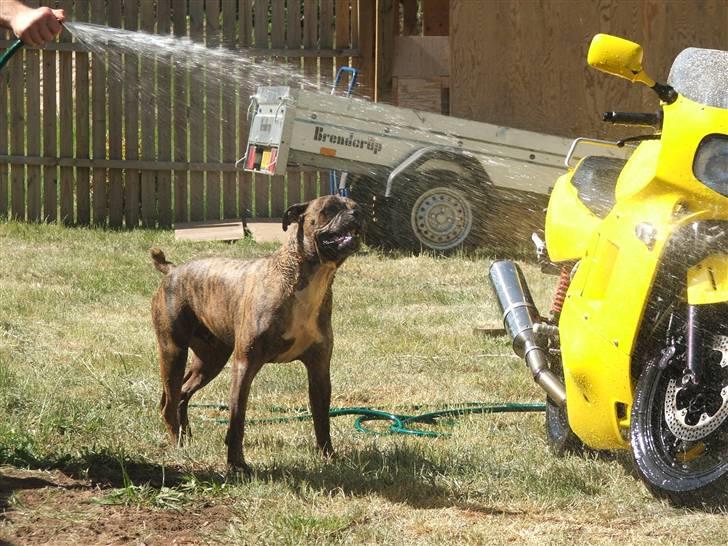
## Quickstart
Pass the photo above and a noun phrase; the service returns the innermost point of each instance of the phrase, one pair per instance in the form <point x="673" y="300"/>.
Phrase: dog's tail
<point x="159" y="261"/>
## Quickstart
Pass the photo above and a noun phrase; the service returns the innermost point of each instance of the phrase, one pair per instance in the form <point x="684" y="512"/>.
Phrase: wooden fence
<point x="77" y="147"/>
<point x="522" y="63"/>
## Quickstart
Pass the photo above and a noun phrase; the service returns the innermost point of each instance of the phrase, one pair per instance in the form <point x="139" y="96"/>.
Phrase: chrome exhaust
<point x="519" y="318"/>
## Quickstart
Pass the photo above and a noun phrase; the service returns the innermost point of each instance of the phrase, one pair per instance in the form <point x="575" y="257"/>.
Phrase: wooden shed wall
<point x="522" y="63"/>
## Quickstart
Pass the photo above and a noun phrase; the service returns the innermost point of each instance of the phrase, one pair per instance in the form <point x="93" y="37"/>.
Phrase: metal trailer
<point x="427" y="181"/>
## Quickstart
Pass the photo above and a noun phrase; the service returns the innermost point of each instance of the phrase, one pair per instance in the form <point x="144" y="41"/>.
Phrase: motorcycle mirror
<point x="618" y="57"/>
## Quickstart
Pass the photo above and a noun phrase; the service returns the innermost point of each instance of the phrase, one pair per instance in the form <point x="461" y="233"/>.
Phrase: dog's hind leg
<point x="209" y="357"/>
<point x="172" y="361"/>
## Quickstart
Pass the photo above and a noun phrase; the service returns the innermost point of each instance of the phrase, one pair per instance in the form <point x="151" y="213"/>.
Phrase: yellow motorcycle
<point x="634" y="354"/>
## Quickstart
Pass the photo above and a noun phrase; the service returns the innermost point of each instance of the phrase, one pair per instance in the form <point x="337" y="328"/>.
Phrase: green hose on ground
<point x="400" y="423"/>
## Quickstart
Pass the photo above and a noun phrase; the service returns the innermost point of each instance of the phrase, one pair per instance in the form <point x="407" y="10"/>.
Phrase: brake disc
<point x="707" y="424"/>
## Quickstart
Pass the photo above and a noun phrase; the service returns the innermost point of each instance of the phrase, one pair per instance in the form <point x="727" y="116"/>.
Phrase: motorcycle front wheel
<point x="679" y="437"/>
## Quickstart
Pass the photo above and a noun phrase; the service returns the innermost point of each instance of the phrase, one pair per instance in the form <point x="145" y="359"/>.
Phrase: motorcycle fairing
<point x="569" y="221"/>
<point x="708" y="281"/>
<point x="605" y="305"/>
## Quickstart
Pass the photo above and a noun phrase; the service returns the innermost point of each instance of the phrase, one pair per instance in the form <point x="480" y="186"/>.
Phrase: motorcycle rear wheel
<point x="687" y="473"/>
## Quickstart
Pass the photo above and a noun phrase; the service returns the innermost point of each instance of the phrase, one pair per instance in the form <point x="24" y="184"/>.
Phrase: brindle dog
<point x="273" y="309"/>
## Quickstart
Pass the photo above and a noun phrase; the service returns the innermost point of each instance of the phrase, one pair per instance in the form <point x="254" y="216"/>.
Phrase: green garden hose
<point x="5" y="57"/>
<point x="399" y="423"/>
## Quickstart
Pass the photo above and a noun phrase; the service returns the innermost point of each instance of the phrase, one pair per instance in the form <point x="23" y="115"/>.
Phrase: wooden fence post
<point x="367" y="47"/>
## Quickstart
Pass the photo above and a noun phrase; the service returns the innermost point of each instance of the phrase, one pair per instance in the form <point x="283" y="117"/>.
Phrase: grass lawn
<point x="84" y="458"/>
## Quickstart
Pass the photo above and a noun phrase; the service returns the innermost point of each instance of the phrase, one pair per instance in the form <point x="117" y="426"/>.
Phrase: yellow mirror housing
<point x="618" y="57"/>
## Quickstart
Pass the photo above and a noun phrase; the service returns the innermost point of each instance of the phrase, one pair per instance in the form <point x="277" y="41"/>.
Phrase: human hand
<point x="37" y="26"/>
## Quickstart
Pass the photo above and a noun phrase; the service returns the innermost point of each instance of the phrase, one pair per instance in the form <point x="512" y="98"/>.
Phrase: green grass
<point x="79" y="390"/>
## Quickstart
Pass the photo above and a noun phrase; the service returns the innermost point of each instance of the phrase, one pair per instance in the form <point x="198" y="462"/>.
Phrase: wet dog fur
<point x="272" y="309"/>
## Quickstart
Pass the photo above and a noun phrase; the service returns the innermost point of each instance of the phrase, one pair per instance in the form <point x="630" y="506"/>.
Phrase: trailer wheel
<point x="438" y="214"/>
<point x="368" y="192"/>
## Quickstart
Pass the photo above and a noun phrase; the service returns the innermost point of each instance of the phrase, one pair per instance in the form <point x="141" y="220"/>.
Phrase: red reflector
<point x="250" y="162"/>
<point x="273" y="158"/>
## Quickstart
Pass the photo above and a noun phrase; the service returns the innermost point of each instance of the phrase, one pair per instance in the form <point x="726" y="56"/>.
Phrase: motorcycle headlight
<point x="711" y="163"/>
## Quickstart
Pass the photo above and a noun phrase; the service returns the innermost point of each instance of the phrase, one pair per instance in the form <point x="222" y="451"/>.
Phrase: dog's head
<point x="329" y="227"/>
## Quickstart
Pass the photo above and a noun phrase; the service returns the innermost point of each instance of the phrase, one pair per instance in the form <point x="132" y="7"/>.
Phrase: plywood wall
<point x="522" y="63"/>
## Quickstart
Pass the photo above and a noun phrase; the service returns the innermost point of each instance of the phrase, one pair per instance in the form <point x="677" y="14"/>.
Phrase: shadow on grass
<point x="104" y="468"/>
<point x="401" y="475"/>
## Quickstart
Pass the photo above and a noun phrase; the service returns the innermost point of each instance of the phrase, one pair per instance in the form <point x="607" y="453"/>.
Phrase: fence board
<point x="342" y="31"/>
<point x="65" y="98"/>
<point x="277" y="41"/>
<point x="116" y="123"/>
<point x="98" y="16"/>
<point x="148" y="119"/>
<point x="212" y="113"/>
<point x="293" y="43"/>
<point x="4" y="127"/>
<point x="229" y="100"/>
<point x="82" y="112"/>
<point x="245" y="188"/>
<point x="262" y="183"/>
<point x="196" y="113"/>
<point x="181" y="178"/>
<point x="310" y="28"/>
<point x="33" y="121"/>
<point x="17" y="135"/>
<point x="326" y="41"/>
<point x="164" y="121"/>
<point x="131" y="120"/>
<point x="50" y="117"/>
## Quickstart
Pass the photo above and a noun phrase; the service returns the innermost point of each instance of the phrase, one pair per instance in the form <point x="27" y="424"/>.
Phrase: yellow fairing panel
<point x="708" y="281"/>
<point x="604" y="306"/>
<point x="569" y="224"/>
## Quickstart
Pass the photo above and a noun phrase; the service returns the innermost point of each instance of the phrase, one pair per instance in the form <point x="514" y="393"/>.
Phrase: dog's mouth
<point x="341" y="240"/>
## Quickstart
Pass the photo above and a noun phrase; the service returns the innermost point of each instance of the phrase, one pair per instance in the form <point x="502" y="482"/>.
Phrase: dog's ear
<point x="293" y="214"/>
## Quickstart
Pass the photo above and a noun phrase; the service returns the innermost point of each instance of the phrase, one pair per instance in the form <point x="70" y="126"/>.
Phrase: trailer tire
<point x="368" y="192"/>
<point x="438" y="212"/>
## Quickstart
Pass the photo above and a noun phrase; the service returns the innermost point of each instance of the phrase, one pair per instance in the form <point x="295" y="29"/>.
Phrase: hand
<point x="37" y="26"/>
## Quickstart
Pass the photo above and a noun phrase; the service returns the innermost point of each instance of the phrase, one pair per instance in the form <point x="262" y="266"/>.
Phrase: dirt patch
<point x="52" y="508"/>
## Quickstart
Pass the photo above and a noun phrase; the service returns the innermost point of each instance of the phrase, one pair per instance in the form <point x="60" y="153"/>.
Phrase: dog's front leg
<point x="244" y="370"/>
<point x="317" y="361"/>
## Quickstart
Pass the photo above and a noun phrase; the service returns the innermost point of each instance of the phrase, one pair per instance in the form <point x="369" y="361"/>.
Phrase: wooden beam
<point x="129" y="164"/>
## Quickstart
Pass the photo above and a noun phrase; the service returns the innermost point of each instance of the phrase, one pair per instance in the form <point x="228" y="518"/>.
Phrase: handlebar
<point x="638" y="119"/>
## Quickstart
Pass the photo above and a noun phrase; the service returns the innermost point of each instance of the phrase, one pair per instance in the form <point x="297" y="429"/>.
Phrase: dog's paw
<point x="328" y="453"/>
<point x="238" y="472"/>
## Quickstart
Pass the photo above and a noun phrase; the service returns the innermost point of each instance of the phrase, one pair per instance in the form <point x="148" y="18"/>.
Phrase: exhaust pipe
<point x="519" y="317"/>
